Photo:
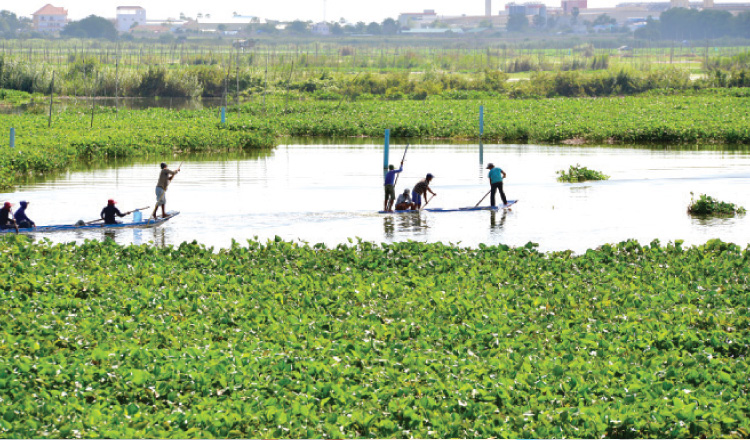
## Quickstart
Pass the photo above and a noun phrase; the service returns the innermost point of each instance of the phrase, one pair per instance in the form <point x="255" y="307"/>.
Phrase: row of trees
<point x="691" y="24"/>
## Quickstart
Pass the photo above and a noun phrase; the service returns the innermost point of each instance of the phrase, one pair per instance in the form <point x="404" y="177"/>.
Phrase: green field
<point x="410" y="339"/>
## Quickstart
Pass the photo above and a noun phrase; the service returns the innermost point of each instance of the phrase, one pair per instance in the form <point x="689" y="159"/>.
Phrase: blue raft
<point x="148" y="223"/>
<point x="470" y="208"/>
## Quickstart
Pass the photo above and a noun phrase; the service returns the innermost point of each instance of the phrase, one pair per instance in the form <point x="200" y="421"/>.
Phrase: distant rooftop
<point x="48" y="9"/>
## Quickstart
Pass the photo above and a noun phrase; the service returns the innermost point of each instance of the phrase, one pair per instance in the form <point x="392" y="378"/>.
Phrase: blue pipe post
<point x="12" y="137"/>
<point x="481" y="121"/>
<point x="481" y="152"/>
<point x="386" y="148"/>
<point x="223" y="115"/>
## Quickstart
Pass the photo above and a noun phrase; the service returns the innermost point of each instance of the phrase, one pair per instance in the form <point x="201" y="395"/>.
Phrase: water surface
<point x="330" y="193"/>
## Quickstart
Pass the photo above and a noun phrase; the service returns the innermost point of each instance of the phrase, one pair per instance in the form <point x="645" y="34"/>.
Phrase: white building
<point x="130" y="16"/>
<point x="417" y="19"/>
<point x="321" y="28"/>
<point x="50" y="19"/>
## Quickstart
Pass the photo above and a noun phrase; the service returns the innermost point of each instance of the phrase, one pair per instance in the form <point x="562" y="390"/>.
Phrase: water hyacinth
<point x="282" y="339"/>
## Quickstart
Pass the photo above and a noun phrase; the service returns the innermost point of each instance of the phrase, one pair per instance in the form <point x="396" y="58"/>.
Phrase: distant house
<point x="129" y="17"/>
<point x="50" y="19"/>
<point x="417" y="19"/>
<point x="321" y="28"/>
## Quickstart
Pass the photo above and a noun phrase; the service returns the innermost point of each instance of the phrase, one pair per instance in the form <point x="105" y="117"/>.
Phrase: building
<point x="488" y="8"/>
<point x="529" y="8"/>
<point x="129" y="17"/>
<point x="417" y="19"/>
<point x="569" y="5"/>
<point x="50" y="19"/>
<point x="321" y="28"/>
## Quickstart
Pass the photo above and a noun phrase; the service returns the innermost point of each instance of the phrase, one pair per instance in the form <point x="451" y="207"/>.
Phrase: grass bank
<point x="409" y="339"/>
<point x="124" y="134"/>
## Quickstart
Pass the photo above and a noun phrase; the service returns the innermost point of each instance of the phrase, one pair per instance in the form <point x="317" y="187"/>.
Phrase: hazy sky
<point x="352" y="10"/>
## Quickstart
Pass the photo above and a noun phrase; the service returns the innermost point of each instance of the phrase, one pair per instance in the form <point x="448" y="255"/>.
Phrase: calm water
<point x="329" y="193"/>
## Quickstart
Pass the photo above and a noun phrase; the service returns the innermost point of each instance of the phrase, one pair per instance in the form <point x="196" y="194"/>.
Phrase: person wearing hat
<point x="496" y="176"/>
<point x="6" y="218"/>
<point x="165" y="176"/>
<point x="109" y="212"/>
<point x="22" y="220"/>
<point x="404" y="201"/>
<point x="390" y="186"/>
<point x="421" y="189"/>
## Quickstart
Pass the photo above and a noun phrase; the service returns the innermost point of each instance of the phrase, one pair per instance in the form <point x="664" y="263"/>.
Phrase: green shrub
<point x="577" y="173"/>
<point x="707" y="205"/>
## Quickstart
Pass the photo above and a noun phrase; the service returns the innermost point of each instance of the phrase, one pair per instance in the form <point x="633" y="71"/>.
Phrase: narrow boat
<point x="469" y="208"/>
<point x="148" y="223"/>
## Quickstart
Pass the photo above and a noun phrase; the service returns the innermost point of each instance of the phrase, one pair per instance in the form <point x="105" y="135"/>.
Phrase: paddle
<point x="402" y="165"/>
<point x="124" y="214"/>
<point x="426" y="202"/>
<point x="485" y="196"/>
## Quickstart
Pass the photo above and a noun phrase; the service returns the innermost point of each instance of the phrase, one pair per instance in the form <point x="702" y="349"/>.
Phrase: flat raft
<point x="470" y="208"/>
<point x="148" y="223"/>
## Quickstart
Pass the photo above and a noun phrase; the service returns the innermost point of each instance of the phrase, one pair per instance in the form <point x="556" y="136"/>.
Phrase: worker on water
<point x="421" y="189"/>
<point x="496" y="176"/>
<point x="22" y="220"/>
<point x="109" y="212"/>
<point x="404" y="203"/>
<point x="165" y="177"/>
<point x="390" y="186"/>
<point x="6" y="218"/>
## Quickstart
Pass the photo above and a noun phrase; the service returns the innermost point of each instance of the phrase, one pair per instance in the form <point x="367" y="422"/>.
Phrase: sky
<point x="351" y="10"/>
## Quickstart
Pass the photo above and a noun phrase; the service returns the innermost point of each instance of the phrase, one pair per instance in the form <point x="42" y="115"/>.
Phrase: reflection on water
<point x="331" y="192"/>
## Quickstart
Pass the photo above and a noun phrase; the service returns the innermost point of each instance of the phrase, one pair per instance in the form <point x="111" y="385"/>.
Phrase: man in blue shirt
<point x="496" y="177"/>
<point x="390" y="186"/>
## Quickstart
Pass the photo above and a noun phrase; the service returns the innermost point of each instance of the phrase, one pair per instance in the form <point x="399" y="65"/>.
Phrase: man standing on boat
<point x="165" y="176"/>
<point x="6" y="218"/>
<point x="109" y="212"/>
<point x="421" y="189"/>
<point x="390" y="186"/>
<point x="496" y="176"/>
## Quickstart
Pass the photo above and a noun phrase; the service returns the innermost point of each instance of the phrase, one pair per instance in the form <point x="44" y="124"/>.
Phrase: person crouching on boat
<point x="22" y="220"/>
<point x="421" y="189"/>
<point x="165" y="176"/>
<point x="6" y="218"/>
<point x="403" y="203"/>
<point x="109" y="212"/>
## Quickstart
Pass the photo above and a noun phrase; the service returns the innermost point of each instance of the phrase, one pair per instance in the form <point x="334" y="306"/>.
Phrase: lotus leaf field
<point x="409" y="339"/>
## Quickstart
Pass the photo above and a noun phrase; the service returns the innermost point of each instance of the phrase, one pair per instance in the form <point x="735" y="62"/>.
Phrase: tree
<point x="389" y="26"/>
<point x="91" y="27"/>
<point x="517" y="23"/>
<point x="539" y="20"/>
<point x="10" y="24"/>
<point x="603" y="20"/>
<point x="373" y="28"/>
<point x="575" y="12"/>
<point x="297" y="27"/>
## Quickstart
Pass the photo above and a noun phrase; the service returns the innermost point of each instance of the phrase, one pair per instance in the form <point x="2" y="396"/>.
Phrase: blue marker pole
<point x="223" y="115"/>
<point x="481" y="153"/>
<point x="481" y="121"/>
<point x="12" y="137"/>
<point x="386" y="147"/>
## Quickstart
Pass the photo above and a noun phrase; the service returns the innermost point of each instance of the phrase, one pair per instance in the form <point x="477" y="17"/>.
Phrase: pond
<point x="331" y="192"/>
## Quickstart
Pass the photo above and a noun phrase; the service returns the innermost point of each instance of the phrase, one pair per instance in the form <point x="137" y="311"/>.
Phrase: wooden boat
<point x="148" y="223"/>
<point x="468" y="208"/>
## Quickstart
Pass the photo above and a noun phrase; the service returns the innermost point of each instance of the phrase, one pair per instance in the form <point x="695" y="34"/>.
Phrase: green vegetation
<point x="707" y="205"/>
<point x="577" y="173"/>
<point x="399" y="340"/>
<point x="125" y="134"/>
<point x="14" y="97"/>
<point x="636" y="120"/>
